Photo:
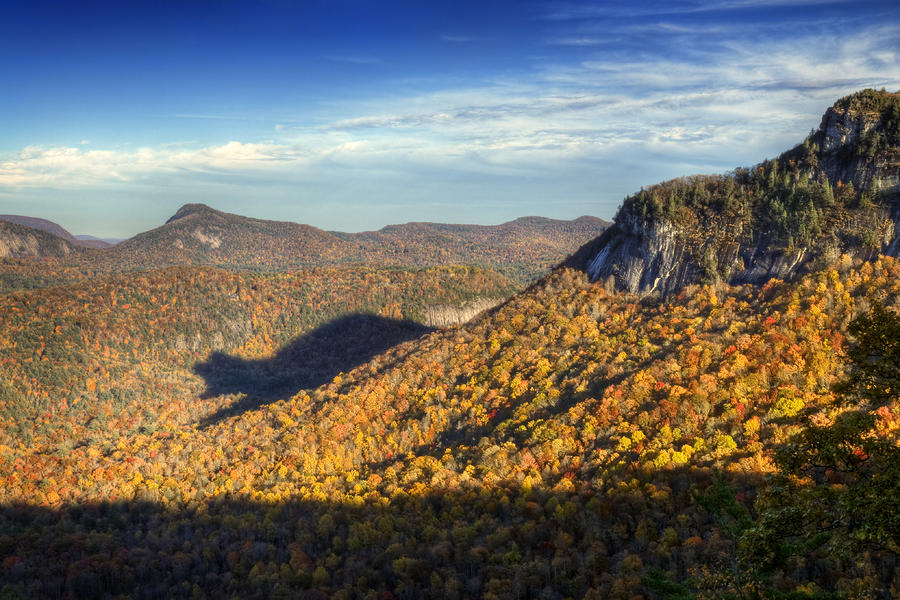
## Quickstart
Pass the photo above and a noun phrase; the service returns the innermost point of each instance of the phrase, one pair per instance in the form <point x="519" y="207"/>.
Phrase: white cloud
<point x="578" y="41"/>
<point x="566" y="11"/>
<point x="72" y="166"/>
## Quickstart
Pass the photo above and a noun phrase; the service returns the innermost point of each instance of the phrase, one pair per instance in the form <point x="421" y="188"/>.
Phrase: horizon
<point x="351" y="116"/>
<point x="250" y="216"/>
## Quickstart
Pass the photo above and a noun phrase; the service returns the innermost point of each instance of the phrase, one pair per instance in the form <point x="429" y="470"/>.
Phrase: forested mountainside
<point x="573" y="442"/>
<point x="198" y="234"/>
<point x="194" y="432"/>
<point x="521" y="249"/>
<point x="835" y="193"/>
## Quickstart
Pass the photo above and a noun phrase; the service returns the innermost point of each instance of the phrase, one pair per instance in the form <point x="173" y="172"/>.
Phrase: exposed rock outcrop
<point x="856" y="145"/>
<point x="18" y="241"/>
<point x="447" y="315"/>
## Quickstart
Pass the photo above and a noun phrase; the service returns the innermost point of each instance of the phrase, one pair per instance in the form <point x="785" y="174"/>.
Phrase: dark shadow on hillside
<point x="447" y="542"/>
<point x="306" y="362"/>
<point x="443" y="543"/>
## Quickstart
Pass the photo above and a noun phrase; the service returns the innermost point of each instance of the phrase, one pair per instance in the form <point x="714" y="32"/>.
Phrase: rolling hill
<point x="521" y="249"/>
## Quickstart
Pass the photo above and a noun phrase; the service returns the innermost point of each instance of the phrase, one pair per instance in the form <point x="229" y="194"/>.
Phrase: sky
<point x="351" y="115"/>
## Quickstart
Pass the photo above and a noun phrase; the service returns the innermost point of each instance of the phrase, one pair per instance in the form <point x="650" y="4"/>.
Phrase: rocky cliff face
<point x="18" y="241"/>
<point x="856" y="144"/>
<point x="448" y="315"/>
<point x="838" y="192"/>
<point x="642" y="256"/>
<point x="663" y="257"/>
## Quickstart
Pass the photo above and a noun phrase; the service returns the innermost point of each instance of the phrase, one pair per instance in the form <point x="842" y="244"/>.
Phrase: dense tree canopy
<point x="568" y="443"/>
<point x="838" y="486"/>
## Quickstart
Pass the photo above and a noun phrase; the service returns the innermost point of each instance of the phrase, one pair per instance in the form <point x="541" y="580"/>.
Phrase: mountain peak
<point x="867" y="101"/>
<point x="854" y="131"/>
<point x="191" y="209"/>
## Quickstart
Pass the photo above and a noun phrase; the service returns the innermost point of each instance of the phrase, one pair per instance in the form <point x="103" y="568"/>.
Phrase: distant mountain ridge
<point x="535" y="240"/>
<point x="198" y="234"/>
<point x="92" y="239"/>
<point x="836" y="193"/>
<point x="520" y="222"/>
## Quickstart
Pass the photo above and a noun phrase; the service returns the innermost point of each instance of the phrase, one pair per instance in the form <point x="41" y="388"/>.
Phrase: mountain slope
<point x="198" y="234"/>
<point x="521" y="248"/>
<point x="137" y="330"/>
<point x="559" y="446"/>
<point x="20" y="241"/>
<point x="837" y="192"/>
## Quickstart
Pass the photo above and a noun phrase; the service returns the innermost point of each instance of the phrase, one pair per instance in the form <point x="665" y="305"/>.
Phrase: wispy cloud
<point x="454" y="38"/>
<point x="209" y="117"/>
<point x="356" y="60"/>
<point x="565" y="11"/>
<point x="579" y="41"/>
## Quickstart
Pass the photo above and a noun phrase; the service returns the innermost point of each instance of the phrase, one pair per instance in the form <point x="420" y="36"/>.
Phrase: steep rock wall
<point x="18" y="241"/>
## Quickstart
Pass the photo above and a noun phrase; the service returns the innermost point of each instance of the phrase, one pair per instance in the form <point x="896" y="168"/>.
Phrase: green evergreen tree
<point x="838" y="487"/>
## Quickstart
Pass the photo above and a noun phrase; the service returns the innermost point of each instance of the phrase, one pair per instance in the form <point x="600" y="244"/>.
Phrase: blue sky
<point x="351" y="115"/>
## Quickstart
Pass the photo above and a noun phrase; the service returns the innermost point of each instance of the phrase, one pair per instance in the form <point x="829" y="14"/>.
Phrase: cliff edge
<point x="837" y="192"/>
